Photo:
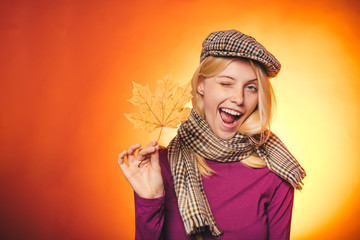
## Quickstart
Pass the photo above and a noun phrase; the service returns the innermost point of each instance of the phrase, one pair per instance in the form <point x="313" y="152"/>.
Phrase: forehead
<point x="238" y="69"/>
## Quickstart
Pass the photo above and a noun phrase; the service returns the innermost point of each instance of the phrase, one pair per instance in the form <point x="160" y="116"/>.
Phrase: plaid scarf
<point x="196" y="135"/>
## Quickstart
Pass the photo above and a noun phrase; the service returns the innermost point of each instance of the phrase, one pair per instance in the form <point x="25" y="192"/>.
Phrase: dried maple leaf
<point x="165" y="108"/>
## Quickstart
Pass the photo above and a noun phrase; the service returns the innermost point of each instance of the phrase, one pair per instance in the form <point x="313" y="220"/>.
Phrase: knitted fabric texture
<point x="195" y="135"/>
<point x="232" y="43"/>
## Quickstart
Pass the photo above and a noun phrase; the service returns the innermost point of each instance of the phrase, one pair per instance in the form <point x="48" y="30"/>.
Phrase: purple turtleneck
<point x="247" y="204"/>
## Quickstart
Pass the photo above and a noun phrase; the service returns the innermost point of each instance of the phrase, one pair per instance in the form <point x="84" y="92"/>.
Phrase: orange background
<point x="65" y="73"/>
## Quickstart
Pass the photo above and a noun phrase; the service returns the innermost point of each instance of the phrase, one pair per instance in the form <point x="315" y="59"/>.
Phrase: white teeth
<point x="229" y="111"/>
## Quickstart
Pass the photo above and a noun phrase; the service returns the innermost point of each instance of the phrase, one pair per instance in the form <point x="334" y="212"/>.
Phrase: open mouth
<point x="229" y="116"/>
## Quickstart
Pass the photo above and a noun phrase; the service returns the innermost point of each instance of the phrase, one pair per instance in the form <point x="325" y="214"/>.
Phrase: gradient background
<point x="65" y="73"/>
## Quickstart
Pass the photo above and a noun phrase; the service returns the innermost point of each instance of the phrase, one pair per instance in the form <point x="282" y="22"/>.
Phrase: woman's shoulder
<point x="280" y="185"/>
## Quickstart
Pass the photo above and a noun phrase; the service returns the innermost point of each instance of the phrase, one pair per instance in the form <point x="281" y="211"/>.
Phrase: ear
<point x="200" y="87"/>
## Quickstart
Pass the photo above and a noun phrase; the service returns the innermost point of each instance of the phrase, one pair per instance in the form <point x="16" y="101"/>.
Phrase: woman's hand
<point x="144" y="178"/>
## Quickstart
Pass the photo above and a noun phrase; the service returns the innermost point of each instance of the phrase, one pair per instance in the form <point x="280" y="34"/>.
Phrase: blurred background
<point x="66" y="70"/>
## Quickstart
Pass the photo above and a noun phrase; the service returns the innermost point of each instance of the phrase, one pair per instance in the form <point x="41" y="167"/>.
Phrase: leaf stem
<point x="160" y="134"/>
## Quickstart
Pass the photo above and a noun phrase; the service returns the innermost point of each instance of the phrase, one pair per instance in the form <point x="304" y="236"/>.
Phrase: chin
<point x="225" y="136"/>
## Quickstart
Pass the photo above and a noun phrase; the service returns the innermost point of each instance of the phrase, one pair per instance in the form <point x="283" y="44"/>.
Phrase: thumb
<point x="155" y="158"/>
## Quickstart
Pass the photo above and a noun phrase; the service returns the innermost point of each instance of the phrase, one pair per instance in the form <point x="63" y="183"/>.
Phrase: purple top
<point x="247" y="203"/>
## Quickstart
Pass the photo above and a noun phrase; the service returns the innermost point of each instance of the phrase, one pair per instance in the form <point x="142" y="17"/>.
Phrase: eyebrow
<point x="225" y="76"/>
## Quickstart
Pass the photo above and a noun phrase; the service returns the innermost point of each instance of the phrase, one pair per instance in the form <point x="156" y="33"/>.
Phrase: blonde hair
<point x="256" y="123"/>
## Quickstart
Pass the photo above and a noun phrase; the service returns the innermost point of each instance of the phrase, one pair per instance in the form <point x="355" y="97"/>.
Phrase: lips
<point x="229" y="117"/>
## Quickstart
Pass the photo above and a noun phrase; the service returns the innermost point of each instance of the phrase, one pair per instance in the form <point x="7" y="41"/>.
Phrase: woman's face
<point x="229" y="98"/>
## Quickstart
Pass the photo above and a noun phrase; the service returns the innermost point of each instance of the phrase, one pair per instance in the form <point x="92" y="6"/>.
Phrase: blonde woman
<point x="225" y="175"/>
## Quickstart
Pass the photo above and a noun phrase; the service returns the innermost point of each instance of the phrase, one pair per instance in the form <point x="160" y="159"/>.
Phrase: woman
<point x="225" y="174"/>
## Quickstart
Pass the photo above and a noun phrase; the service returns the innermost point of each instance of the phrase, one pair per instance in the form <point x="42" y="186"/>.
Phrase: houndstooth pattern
<point x="196" y="135"/>
<point x="232" y="43"/>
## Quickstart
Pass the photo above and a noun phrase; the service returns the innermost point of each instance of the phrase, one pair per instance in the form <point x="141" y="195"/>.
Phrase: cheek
<point x="210" y="105"/>
<point x="253" y="103"/>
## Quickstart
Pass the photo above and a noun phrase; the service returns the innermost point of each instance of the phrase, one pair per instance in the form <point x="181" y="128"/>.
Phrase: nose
<point x="237" y="96"/>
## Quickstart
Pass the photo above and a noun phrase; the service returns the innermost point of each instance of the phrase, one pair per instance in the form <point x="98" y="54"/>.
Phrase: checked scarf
<point x="195" y="135"/>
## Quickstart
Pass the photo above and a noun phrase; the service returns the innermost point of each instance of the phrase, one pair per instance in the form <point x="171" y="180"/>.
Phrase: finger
<point x="121" y="162"/>
<point x="149" y="154"/>
<point x="155" y="159"/>
<point x="153" y="144"/>
<point x="131" y="151"/>
<point x="146" y="152"/>
<point x="144" y="163"/>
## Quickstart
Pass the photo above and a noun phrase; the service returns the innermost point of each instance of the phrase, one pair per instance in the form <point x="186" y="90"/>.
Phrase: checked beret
<point x="232" y="43"/>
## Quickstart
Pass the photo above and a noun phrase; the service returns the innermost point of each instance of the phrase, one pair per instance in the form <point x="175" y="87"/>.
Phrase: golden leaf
<point x="164" y="108"/>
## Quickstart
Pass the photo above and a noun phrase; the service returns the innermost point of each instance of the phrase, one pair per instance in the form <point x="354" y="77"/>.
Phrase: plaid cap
<point x="232" y="43"/>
